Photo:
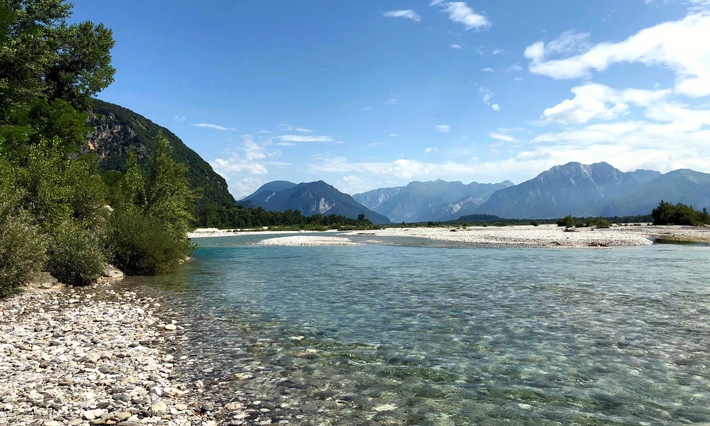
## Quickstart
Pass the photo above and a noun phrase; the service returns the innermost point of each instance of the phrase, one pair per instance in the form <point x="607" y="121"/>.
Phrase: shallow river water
<point x="409" y="334"/>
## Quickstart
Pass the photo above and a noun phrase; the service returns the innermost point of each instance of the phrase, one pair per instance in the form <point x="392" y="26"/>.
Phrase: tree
<point x="48" y="71"/>
<point x="678" y="214"/>
<point x="148" y="228"/>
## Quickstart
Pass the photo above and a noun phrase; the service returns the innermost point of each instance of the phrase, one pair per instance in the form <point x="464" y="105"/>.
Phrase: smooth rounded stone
<point x="111" y="271"/>
<point x="159" y="408"/>
<point x="122" y="415"/>
<point x="57" y="334"/>
<point x="207" y="407"/>
<point x="170" y="327"/>
<point x="234" y="406"/>
<point x="122" y="397"/>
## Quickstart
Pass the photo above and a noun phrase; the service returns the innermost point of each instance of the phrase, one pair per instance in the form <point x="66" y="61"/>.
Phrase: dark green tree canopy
<point x="49" y="70"/>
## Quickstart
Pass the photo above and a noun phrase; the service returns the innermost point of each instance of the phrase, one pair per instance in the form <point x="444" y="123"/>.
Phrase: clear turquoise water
<point x="397" y="334"/>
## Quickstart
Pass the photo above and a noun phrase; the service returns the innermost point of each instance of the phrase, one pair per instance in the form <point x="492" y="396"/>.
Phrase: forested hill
<point x="116" y="129"/>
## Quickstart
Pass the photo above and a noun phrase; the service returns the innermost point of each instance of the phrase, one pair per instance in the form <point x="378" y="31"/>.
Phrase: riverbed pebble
<point x="68" y="357"/>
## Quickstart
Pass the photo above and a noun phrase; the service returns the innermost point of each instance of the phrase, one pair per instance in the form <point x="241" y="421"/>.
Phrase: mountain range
<point x="310" y="198"/>
<point x="571" y="189"/>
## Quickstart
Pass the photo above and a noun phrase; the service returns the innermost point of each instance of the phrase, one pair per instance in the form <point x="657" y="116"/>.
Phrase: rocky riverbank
<point x="86" y="356"/>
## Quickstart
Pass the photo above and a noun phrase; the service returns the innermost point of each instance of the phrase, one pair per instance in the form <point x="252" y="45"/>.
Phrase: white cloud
<point x="305" y="138"/>
<point x="459" y="12"/>
<point x="406" y="14"/>
<point x="431" y="149"/>
<point x="487" y="69"/>
<point x="502" y="137"/>
<point x="443" y="128"/>
<point x="249" y="159"/>
<point x="214" y="127"/>
<point x="495" y="107"/>
<point x="302" y="130"/>
<point x="392" y="101"/>
<point x="597" y="101"/>
<point x="683" y="46"/>
<point x="486" y="95"/>
<point x="179" y="118"/>
<point x="456" y="46"/>
<point x="515" y="68"/>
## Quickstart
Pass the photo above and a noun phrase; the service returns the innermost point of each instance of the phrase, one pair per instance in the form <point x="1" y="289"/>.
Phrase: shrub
<point x="22" y="249"/>
<point x="75" y="254"/>
<point x="568" y="221"/>
<point x="141" y="245"/>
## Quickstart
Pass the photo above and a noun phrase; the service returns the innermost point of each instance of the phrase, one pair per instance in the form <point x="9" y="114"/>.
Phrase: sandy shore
<point x="507" y="236"/>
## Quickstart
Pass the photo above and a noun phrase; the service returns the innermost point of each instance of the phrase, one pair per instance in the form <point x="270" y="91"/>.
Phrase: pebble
<point x="68" y="357"/>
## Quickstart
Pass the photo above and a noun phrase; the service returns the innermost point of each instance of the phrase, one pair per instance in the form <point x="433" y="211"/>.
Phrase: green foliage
<point x="131" y="131"/>
<point x="57" y="189"/>
<point x="214" y="216"/>
<point x="148" y="230"/>
<point x="143" y="245"/>
<point x="44" y="57"/>
<point x="679" y="214"/>
<point x="598" y="222"/>
<point x="76" y="255"/>
<point x="567" y="221"/>
<point x="22" y="245"/>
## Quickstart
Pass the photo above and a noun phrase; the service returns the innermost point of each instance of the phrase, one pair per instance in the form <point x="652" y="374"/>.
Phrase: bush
<point x="22" y="250"/>
<point x="22" y="245"/>
<point x="141" y="245"/>
<point x="75" y="255"/>
<point x="567" y="221"/>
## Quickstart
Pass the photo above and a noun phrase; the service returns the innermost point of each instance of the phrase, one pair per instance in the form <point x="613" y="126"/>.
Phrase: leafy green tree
<point x="49" y="69"/>
<point x="679" y="214"/>
<point x="148" y="229"/>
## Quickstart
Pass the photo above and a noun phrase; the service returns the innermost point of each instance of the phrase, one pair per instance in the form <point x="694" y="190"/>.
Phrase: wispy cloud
<point x="487" y="96"/>
<point x="456" y="46"/>
<point x="305" y="138"/>
<point x="502" y="137"/>
<point x="443" y="128"/>
<point x="215" y="127"/>
<point x="461" y="13"/>
<point x="405" y="14"/>
<point x="676" y="45"/>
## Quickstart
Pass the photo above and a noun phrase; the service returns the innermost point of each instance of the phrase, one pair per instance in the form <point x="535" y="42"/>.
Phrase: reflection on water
<point x="421" y="335"/>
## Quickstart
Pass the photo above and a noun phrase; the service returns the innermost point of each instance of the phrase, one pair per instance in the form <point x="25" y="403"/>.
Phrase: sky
<point x="368" y="94"/>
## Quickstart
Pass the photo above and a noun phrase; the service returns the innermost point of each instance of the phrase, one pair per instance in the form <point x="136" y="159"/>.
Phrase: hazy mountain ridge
<point x="310" y="198"/>
<point x="437" y="200"/>
<point x="597" y="190"/>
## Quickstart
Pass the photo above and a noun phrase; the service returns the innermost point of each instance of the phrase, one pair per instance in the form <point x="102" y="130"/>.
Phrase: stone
<point x="123" y="415"/>
<point x="170" y="327"/>
<point x="234" y="406"/>
<point x="159" y="408"/>
<point x="111" y="271"/>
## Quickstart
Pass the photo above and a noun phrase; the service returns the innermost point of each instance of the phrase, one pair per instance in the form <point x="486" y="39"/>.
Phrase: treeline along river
<point x="416" y="334"/>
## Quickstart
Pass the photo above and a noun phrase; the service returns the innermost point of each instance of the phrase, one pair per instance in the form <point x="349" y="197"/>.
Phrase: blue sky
<point x="369" y="94"/>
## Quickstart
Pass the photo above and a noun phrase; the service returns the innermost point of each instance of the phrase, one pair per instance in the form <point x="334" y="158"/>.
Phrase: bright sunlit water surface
<point x="398" y="334"/>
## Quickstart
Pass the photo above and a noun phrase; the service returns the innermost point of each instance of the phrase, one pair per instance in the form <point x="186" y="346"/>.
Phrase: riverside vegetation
<point x="58" y="212"/>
